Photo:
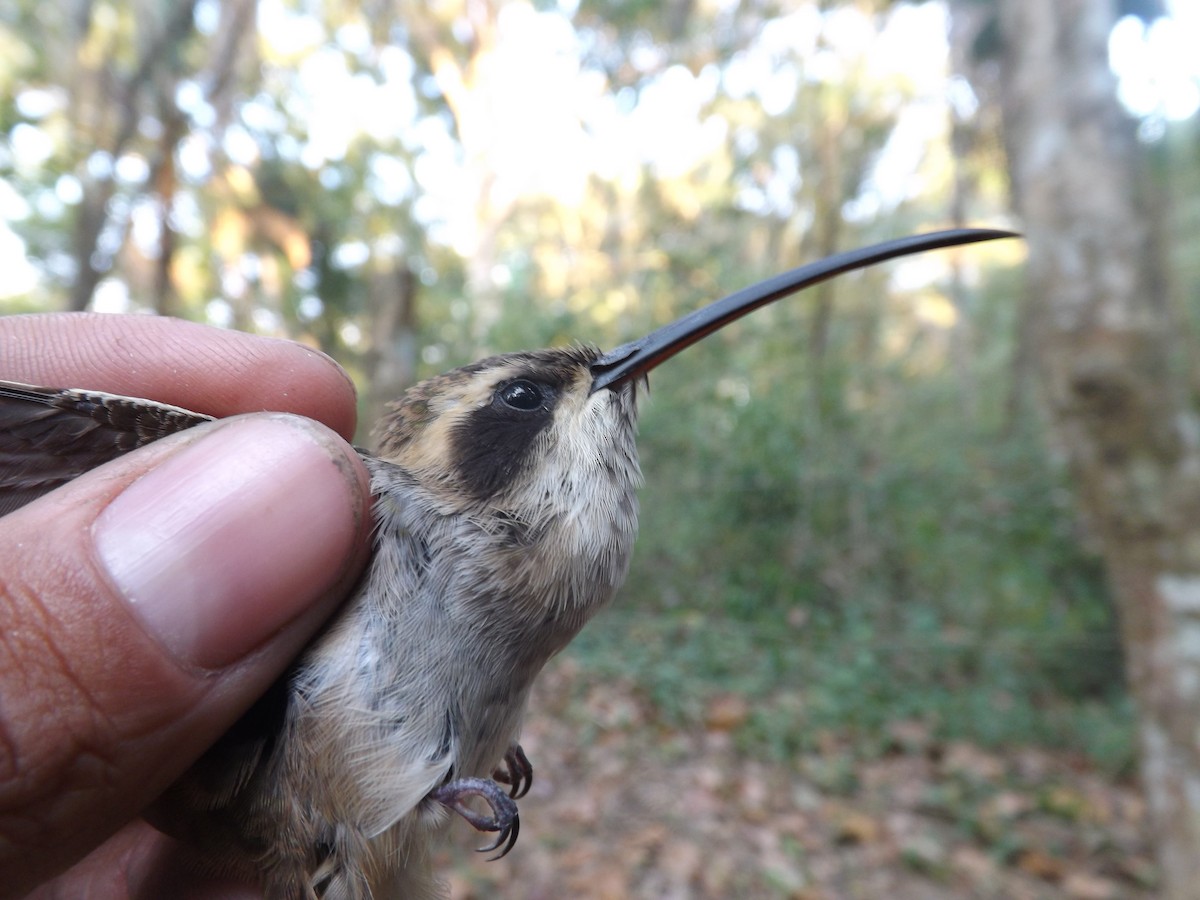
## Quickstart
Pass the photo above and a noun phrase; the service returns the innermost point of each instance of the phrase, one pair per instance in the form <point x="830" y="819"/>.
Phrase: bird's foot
<point x="503" y="818"/>
<point x="516" y="771"/>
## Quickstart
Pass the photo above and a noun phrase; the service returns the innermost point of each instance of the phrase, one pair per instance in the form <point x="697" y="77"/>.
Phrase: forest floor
<point x="623" y="807"/>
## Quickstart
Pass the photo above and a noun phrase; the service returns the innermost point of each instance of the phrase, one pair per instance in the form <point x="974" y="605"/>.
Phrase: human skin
<point x="146" y="604"/>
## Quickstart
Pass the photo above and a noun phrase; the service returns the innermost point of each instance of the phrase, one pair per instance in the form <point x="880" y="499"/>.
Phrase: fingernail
<point x="233" y="536"/>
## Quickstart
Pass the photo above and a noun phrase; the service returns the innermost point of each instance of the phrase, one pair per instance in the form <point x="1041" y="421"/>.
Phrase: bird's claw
<point x="503" y="818"/>
<point x="517" y="772"/>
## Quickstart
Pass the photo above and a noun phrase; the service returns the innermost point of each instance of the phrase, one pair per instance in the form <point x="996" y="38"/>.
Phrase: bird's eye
<point x="521" y="394"/>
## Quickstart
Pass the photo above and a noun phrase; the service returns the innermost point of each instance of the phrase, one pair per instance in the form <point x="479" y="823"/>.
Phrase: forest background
<point x="876" y="637"/>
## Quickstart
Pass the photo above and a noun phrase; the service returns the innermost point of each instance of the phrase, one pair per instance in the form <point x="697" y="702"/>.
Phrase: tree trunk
<point x="1114" y="378"/>
<point x="391" y="362"/>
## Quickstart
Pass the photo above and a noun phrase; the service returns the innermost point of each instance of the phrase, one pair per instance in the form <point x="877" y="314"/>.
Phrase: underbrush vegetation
<point x="863" y="542"/>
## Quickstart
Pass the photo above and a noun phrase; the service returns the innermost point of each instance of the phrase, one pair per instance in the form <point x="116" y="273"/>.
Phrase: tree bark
<point x="391" y="362"/>
<point x="1114" y="378"/>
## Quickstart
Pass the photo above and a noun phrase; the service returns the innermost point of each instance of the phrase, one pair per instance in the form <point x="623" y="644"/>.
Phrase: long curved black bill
<point x="638" y="357"/>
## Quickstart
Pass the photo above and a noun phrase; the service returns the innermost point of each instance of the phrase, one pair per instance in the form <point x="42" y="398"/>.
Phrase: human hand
<point x="145" y="605"/>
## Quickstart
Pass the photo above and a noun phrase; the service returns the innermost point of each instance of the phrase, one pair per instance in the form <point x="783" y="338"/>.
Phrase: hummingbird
<point x="505" y="508"/>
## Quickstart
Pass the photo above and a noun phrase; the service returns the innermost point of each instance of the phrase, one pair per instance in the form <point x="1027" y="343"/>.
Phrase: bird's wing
<point x="50" y="435"/>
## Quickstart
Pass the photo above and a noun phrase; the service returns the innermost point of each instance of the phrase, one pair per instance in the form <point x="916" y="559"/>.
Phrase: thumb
<point x="148" y="603"/>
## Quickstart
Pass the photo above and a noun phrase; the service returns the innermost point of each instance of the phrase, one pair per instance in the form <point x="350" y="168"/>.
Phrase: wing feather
<point x="50" y="435"/>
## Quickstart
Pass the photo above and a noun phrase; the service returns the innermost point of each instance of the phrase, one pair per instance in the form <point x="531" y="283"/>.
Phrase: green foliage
<point x="890" y="558"/>
<point x="850" y="679"/>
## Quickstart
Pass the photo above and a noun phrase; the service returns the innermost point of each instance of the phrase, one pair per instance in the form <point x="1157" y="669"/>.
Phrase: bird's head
<point x="513" y="430"/>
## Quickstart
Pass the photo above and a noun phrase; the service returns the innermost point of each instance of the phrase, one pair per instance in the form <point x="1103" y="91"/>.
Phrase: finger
<point x="140" y="863"/>
<point x="207" y="370"/>
<point x="146" y="604"/>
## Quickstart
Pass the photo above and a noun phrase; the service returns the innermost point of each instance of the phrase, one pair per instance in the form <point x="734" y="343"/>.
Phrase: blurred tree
<point x="122" y="68"/>
<point x="1114" y="374"/>
<point x="408" y="186"/>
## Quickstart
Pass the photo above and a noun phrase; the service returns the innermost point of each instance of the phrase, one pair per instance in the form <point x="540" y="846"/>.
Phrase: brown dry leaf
<point x="613" y="709"/>
<point x="609" y="883"/>
<point x="585" y="810"/>
<point x="718" y="874"/>
<point x="1007" y="805"/>
<point x="854" y="827"/>
<point x="634" y="856"/>
<point x="579" y="856"/>
<point x="797" y="617"/>
<point x="828" y="743"/>
<point x="974" y="865"/>
<point x="1082" y="886"/>
<point x="910" y="736"/>
<point x="680" y="860"/>
<point x="969" y="760"/>
<point x="726" y="712"/>
<point x="1134" y="808"/>
<point x="648" y="837"/>
<point x="924" y="853"/>
<point x="710" y="777"/>
<point x="1066" y="802"/>
<point x="792" y="824"/>
<point x="1042" y="865"/>
<point x="1101" y="804"/>
<point x="622" y="812"/>
<point x="998" y="816"/>
<point x="754" y="797"/>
